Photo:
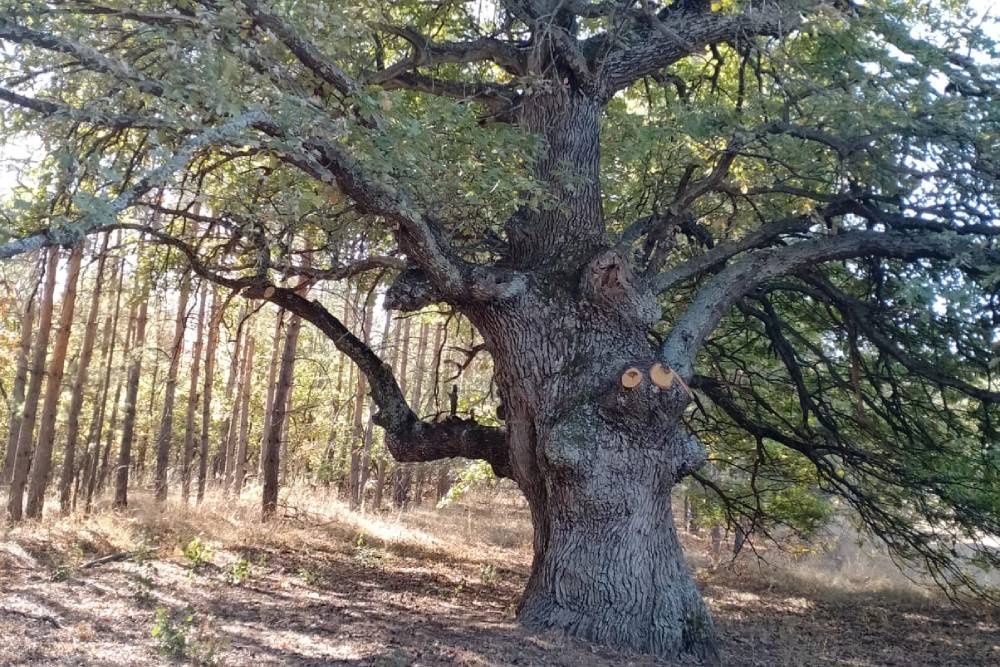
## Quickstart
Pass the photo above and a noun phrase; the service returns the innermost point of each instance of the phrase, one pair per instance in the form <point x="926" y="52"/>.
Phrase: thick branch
<point x="718" y="295"/>
<point x="672" y="35"/>
<point x="723" y="252"/>
<point x="409" y="438"/>
<point x="427" y="53"/>
<point x="306" y="52"/>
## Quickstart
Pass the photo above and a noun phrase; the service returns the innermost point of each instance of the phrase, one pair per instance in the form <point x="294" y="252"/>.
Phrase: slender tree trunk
<point x="101" y="477"/>
<point x="417" y="402"/>
<point x="243" y="397"/>
<point x="358" y="431"/>
<point x="343" y="454"/>
<point x="441" y="469"/>
<point x="282" y="390"/>
<point x="272" y="375"/>
<point x="400" y="477"/>
<point x="17" y="391"/>
<point x="164" y="438"/>
<point x="206" y="408"/>
<point x="22" y="459"/>
<point x="387" y="352"/>
<point x="136" y="350"/>
<point x="41" y="464"/>
<point x="159" y="323"/>
<point x="96" y="430"/>
<point x="226" y="449"/>
<point x="283" y="439"/>
<point x="192" y="398"/>
<point x="80" y="383"/>
<point x="329" y="454"/>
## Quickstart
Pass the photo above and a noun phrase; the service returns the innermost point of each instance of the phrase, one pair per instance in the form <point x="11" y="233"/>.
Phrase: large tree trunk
<point x="597" y="462"/>
<point x="26" y="433"/>
<point x="595" y="459"/>
<point x="41" y="464"/>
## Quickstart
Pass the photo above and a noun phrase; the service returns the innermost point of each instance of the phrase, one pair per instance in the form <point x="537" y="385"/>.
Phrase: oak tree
<point x="763" y="225"/>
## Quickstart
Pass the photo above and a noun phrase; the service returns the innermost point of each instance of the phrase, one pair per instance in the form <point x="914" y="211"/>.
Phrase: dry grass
<point x="323" y="585"/>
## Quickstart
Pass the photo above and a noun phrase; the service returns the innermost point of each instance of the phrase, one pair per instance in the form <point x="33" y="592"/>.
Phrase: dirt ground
<point x="430" y="587"/>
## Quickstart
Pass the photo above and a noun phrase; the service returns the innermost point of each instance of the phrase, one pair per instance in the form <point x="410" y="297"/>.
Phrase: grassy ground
<point x="430" y="587"/>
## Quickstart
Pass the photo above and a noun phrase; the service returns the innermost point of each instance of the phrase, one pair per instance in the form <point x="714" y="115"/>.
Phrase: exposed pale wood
<point x="631" y="378"/>
<point x="662" y="376"/>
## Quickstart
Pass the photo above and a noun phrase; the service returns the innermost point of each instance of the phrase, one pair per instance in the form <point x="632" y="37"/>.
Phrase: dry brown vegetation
<point x="427" y="587"/>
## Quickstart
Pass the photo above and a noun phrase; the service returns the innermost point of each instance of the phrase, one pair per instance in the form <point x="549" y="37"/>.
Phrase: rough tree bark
<point x="41" y="463"/>
<point x="164" y="437"/>
<point x="26" y="433"/>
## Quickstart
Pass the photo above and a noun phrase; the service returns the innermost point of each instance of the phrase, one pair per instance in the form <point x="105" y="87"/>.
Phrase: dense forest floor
<point x="428" y="587"/>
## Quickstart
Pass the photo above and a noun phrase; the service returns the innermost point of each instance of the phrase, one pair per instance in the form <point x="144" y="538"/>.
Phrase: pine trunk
<point x="80" y="383"/>
<point x="415" y="471"/>
<point x="358" y="429"/>
<point x="26" y="433"/>
<point x="136" y="350"/>
<point x="282" y="391"/>
<point x="206" y="407"/>
<point x="92" y="455"/>
<point x="228" y="444"/>
<point x="41" y="464"/>
<point x="243" y="396"/>
<point x="187" y="456"/>
<point x="164" y="438"/>
<point x="272" y="376"/>
<point x="17" y="391"/>
<point x="398" y="482"/>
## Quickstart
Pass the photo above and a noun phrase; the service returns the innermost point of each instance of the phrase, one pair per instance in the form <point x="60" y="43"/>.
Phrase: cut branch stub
<point x="631" y="378"/>
<point x="662" y="376"/>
